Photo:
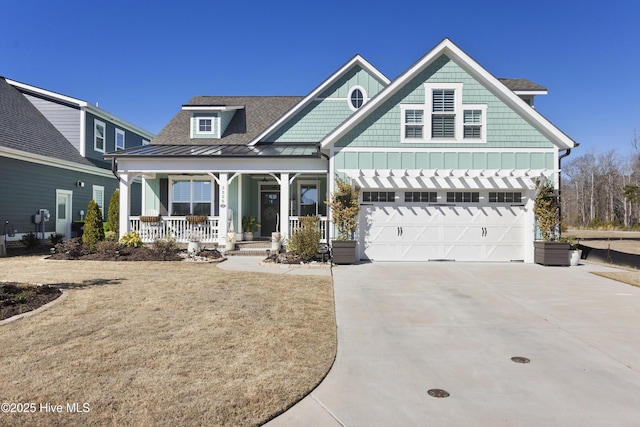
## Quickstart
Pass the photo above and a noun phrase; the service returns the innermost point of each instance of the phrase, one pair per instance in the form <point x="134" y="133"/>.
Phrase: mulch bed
<point x="18" y="298"/>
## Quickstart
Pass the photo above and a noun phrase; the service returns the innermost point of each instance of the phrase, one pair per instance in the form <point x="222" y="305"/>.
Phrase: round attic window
<point x="357" y="97"/>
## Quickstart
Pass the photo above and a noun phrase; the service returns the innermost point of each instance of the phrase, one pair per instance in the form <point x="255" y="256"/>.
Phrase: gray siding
<point x="27" y="187"/>
<point x="65" y="118"/>
<point x="131" y="139"/>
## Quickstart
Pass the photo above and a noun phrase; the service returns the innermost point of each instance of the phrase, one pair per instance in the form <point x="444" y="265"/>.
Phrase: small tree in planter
<point x="547" y="212"/>
<point x="345" y="208"/>
<point x="249" y="225"/>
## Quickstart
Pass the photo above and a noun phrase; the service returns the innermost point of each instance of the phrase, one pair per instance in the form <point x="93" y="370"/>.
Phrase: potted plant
<point x="249" y="225"/>
<point x="575" y="253"/>
<point x="345" y="208"/>
<point x="549" y="251"/>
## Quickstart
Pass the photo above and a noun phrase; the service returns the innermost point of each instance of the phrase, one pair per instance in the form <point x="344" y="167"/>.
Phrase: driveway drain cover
<point x="436" y="392"/>
<point x="519" y="359"/>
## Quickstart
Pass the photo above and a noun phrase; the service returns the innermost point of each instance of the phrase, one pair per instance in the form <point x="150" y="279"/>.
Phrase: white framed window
<point x="505" y="197"/>
<point x="308" y="198"/>
<point x="204" y="126"/>
<point x="145" y="142"/>
<point x="444" y="104"/>
<point x="463" y="197"/>
<point x="379" y="196"/>
<point x="357" y="97"/>
<point x="474" y="123"/>
<point x="98" y="196"/>
<point x="99" y="135"/>
<point x="421" y="196"/>
<point x="443" y="118"/>
<point x="412" y="123"/>
<point x="190" y="196"/>
<point x="119" y="139"/>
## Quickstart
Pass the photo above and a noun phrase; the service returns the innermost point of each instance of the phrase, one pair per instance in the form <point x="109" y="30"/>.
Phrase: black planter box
<point x="551" y="253"/>
<point x="343" y="251"/>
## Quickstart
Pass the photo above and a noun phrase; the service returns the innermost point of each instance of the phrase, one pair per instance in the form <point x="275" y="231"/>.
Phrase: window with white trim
<point x="119" y="139"/>
<point x="145" y="142"/>
<point x="191" y="197"/>
<point x="308" y="199"/>
<point x="205" y="125"/>
<point x="357" y="97"/>
<point x="463" y="197"/>
<point x="98" y="196"/>
<point x="378" y="196"/>
<point x="413" y="123"/>
<point x="443" y="117"/>
<point x="505" y="197"/>
<point x="99" y="135"/>
<point x="472" y="120"/>
<point x="421" y="196"/>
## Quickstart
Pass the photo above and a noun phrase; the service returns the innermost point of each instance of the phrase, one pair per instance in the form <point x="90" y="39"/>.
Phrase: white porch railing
<point x="177" y="227"/>
<point x="294" y="223"/>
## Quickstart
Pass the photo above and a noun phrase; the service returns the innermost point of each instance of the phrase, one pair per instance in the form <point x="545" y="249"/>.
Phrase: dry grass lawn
<point x="164" y="344"/>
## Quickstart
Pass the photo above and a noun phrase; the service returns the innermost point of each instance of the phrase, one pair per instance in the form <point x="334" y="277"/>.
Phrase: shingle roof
<point x="258" y="114"/>
<point x="24" y="128"/>
<point x="521" y="84"/>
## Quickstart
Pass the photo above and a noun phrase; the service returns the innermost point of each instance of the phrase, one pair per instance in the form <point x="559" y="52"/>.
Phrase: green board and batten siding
<point x="505" y="130"/>
<point x="326" y="112"/>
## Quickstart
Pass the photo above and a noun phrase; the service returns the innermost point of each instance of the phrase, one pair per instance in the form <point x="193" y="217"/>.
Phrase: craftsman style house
<point x="447" y="157"/>
<point x="51" y="157"/>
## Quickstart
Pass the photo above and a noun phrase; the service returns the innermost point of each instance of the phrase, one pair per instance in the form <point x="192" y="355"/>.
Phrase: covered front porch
<point x="203" y="193"/>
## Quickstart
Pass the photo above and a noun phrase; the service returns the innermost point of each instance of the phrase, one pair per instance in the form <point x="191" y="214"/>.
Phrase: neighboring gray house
<point x="51" y="157"/>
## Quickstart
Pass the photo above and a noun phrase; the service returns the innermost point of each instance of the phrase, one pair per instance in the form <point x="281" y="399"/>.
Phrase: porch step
<point x="250" y="248"/>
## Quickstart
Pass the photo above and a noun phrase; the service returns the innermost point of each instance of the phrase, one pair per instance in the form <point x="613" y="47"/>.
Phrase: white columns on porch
<point x="125" y="201"/>
<point x="284" y="204"/>
<point x="223" y="208"/>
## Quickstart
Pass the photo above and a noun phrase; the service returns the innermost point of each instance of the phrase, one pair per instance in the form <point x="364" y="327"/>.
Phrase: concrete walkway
<point x="406" y="328"/>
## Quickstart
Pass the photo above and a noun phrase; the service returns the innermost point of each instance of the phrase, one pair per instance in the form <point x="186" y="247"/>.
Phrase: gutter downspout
<point x="567" y="152"/>
<point x="114" y="169"/>
<point x="326" y="237"/>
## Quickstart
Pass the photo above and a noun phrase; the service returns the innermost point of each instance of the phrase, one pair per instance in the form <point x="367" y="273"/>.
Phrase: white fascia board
<point x="356" y="60"/>
<point x="530" y="92"/>
<point x="99" y="112"/>
<point x="229" y="165"/>
<point x="448" y="48"/>
<point x="53" y="162"/>
<point x="212" y="108"/>
<point x="47" y="93"/>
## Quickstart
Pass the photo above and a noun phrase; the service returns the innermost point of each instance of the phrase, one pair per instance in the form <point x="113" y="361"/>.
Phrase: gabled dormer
<point x="525" y="89"/>
<point x="210" y="121"/>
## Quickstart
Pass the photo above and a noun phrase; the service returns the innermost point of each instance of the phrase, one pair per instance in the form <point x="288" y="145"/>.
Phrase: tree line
<point x="602" y="190"/>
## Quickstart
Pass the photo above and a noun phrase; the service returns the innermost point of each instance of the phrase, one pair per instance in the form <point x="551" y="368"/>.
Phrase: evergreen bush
<point x="113" y="215"/>
<point x="93" y="228"/>
<point x="305" y="239"/>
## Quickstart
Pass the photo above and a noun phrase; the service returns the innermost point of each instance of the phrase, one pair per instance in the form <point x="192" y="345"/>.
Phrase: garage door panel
<point x="461" y="233"/>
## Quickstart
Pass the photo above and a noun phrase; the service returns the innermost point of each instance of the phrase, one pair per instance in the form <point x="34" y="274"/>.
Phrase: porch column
<point x="125" y="200"/>
<point x="223" y="204"/>
<point x="284" y="205"/>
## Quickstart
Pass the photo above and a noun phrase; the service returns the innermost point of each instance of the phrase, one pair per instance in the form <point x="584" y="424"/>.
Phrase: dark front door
<point x="269" y="211"/>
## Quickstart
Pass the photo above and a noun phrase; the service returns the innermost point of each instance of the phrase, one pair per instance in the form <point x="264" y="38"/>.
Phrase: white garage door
<point x="410" y="232"/>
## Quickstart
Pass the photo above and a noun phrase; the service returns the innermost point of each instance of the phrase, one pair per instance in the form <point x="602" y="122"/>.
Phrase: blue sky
<point x="142" y="60"/>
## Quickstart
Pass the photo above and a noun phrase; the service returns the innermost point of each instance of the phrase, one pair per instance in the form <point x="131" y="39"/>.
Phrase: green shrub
<point x="113" y="215"/>
<point x="305" y="239"/>
<point x="131" y="239"/>
<point x="93" y="228"/>
<point x="166" y="245"/>
<point x="30" y="240"/>
<point x="111" y="236"/>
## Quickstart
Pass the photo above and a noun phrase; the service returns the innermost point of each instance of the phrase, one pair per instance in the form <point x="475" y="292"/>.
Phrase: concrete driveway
<point x="406" y="328"/>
